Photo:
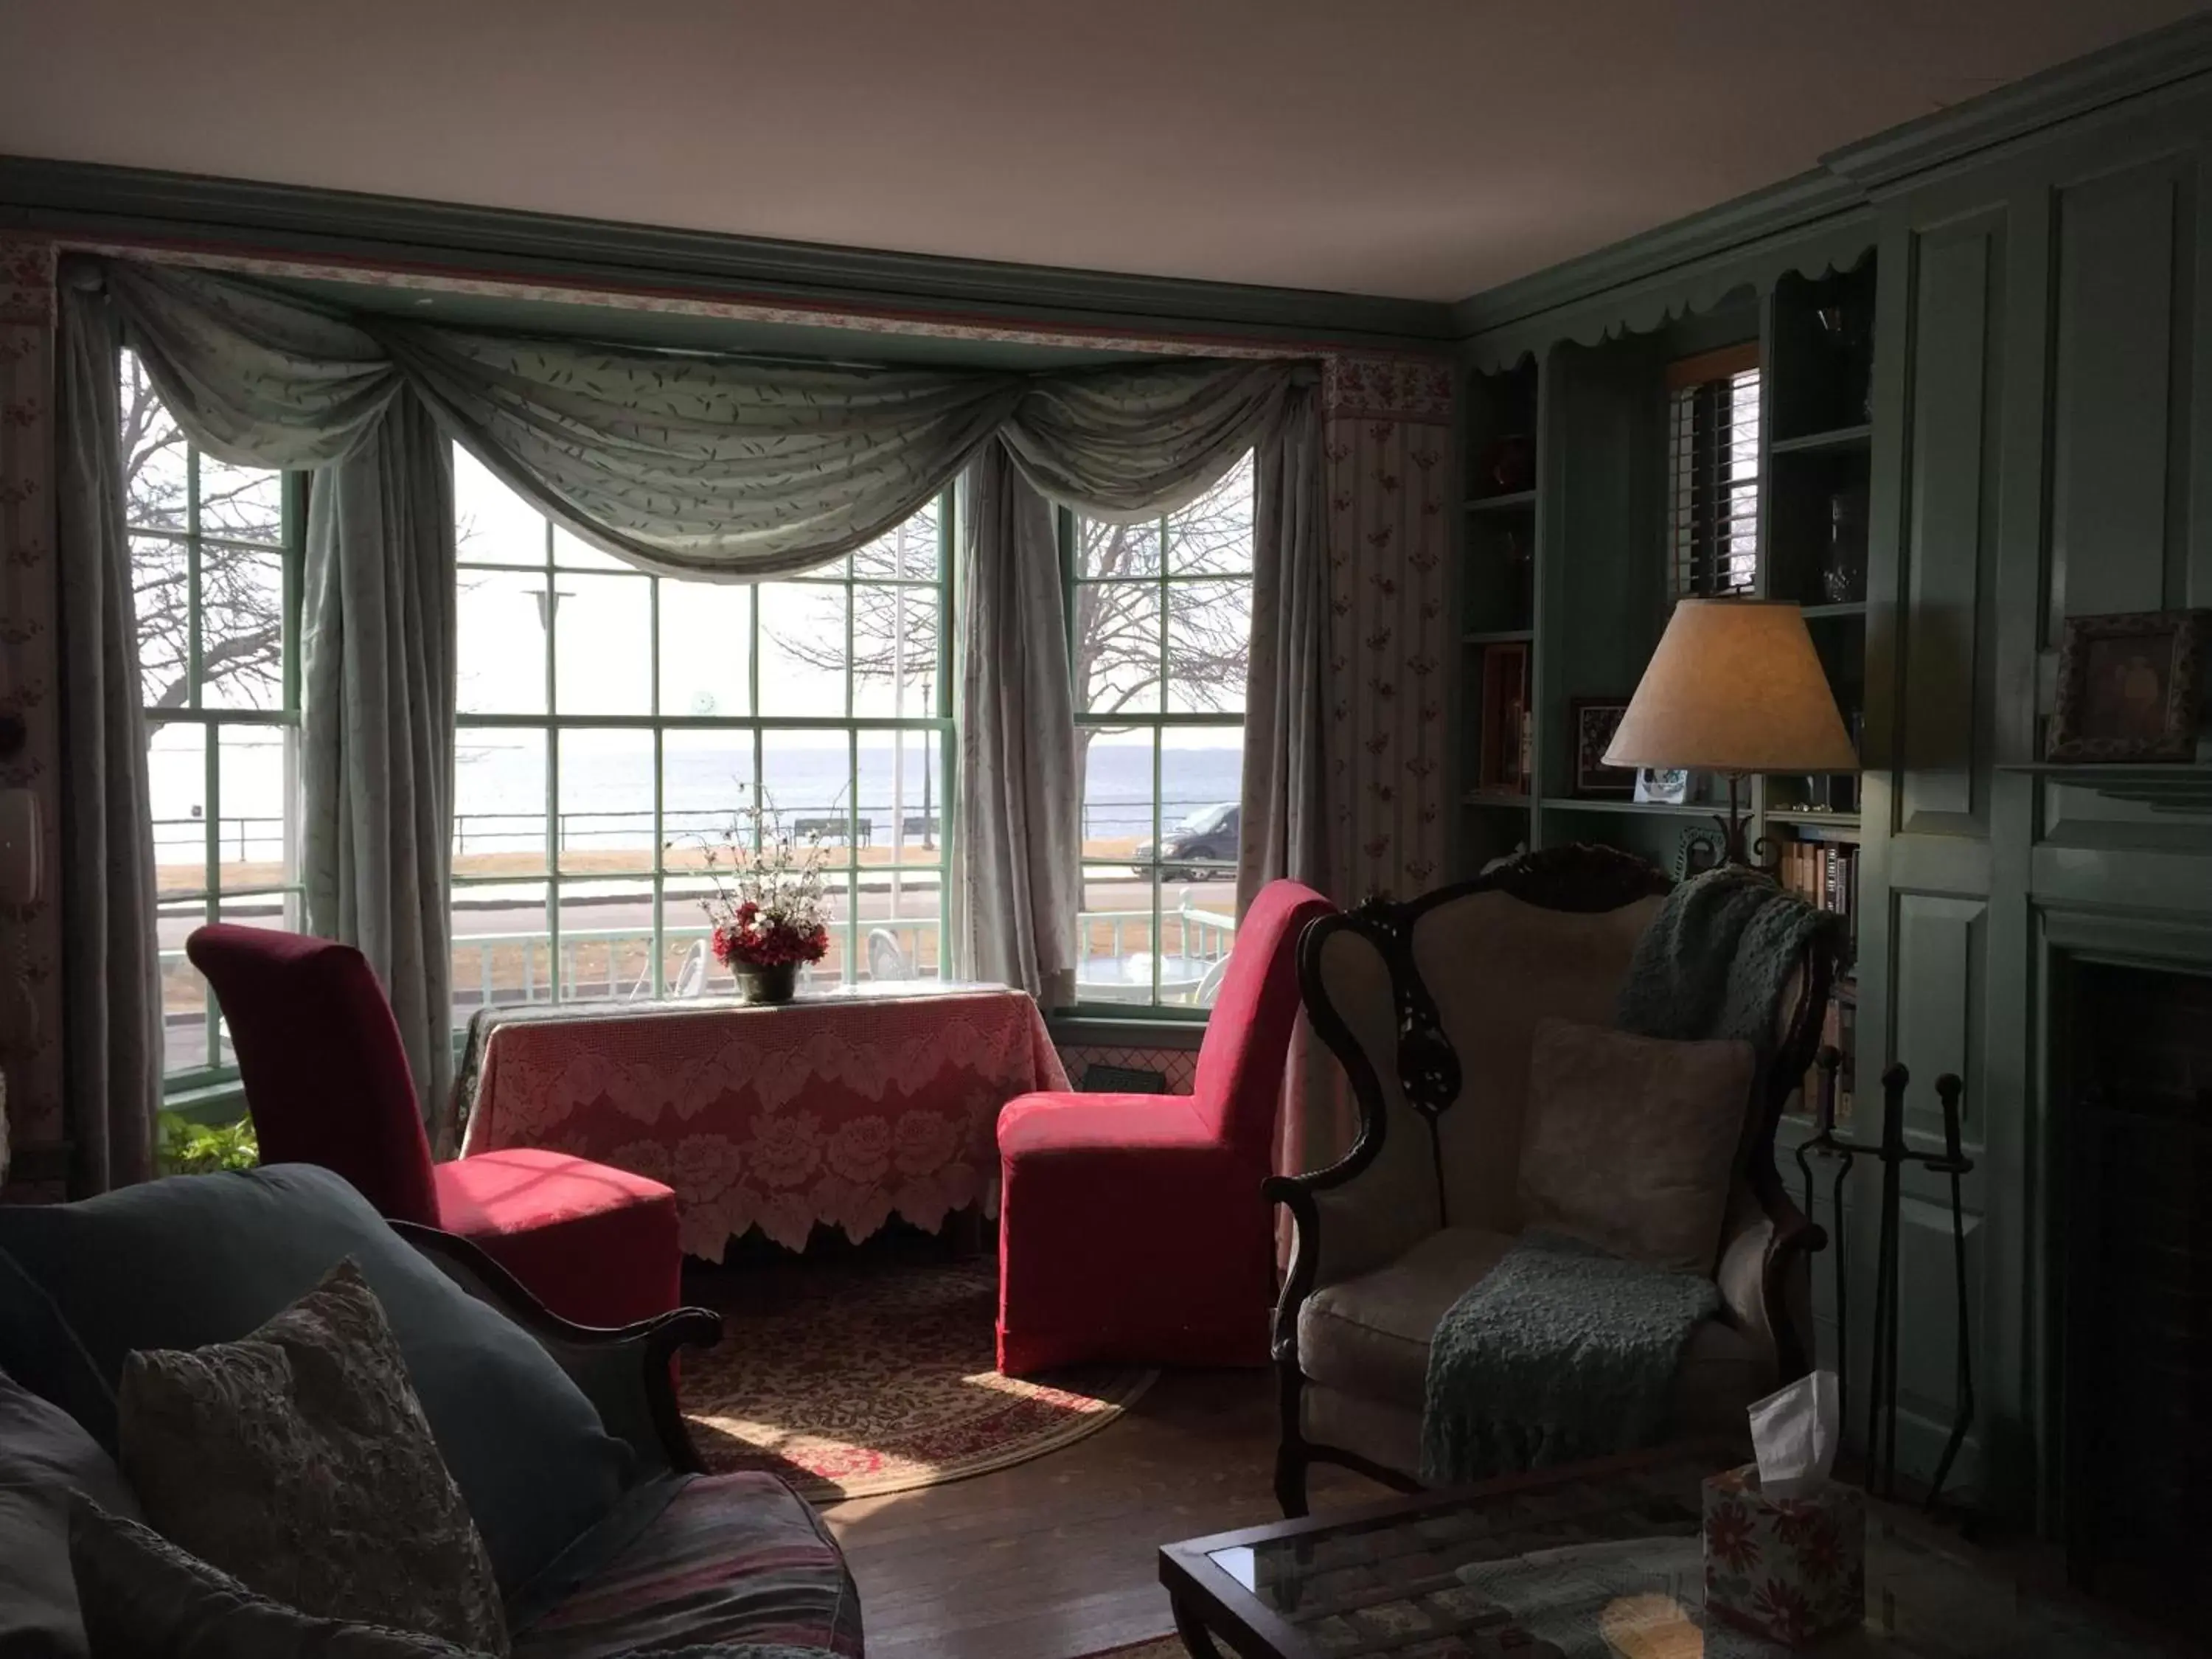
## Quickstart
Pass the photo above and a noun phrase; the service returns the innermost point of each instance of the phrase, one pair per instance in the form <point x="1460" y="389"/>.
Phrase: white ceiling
<point x="1427" y="149"/>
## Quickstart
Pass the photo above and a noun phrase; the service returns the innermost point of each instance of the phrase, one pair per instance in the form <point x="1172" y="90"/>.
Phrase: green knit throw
<point x="1717" y="959"/>
<point x="1560" y="1352"/>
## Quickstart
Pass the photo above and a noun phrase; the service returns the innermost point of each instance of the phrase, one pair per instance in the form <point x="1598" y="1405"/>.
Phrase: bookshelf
<point x="1570" y="555"/>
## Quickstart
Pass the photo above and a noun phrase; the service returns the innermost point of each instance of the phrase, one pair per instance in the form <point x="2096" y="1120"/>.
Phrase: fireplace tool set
<point x="1893" y="1155"/>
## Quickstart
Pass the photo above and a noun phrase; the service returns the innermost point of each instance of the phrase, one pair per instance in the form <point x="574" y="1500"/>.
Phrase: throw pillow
<point x="298" y="1461"/>
<point x="145" y="1598"/>
<point x="43" y="1454"/>
<point x="199" y="1259"/>
<point x="1630" y="1142"/>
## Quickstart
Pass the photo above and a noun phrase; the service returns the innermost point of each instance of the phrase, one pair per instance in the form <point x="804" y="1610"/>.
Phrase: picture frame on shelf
<point x="1662" y="786"/>
<point x="1593" y="720"/>
<point x="2131" y="687"/>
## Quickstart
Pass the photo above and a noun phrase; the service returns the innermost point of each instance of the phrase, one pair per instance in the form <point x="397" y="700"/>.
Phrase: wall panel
<point x="2113" y="324"/>
<point x="1956" y="383"/>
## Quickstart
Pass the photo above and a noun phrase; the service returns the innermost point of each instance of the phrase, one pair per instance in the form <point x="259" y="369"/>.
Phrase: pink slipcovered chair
<point x="1131" y="1227"/>
<point x="327" y="1082"/>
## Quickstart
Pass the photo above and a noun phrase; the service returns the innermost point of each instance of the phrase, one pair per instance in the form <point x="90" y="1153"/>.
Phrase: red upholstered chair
<point x="1131" y="1226"/>
<point x="326" y="1082"/>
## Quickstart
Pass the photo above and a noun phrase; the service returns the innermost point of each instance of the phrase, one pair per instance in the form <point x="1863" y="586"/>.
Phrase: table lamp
<point x="1734" y="687"/>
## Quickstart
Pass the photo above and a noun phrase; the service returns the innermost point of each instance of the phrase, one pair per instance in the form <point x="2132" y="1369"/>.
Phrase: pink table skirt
<point x="840" y="1108"/>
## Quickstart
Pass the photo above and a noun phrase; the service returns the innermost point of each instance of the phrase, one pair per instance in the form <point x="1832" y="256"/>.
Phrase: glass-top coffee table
<point x="1596" y="1561"/>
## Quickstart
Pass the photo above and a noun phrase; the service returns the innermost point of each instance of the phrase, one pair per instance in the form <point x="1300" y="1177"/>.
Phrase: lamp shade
<point x="1734" y="686"/>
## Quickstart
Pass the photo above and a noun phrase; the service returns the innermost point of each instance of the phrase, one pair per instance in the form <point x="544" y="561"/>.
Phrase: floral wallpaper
<point x="1386" y="434"/>
<point x="30" y="938"/>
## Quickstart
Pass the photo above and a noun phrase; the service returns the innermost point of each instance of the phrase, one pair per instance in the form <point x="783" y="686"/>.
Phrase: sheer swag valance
<point x="683" y="464"/>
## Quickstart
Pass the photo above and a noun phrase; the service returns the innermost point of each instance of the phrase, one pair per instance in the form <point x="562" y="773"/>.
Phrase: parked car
<point x="1209" y="833"/>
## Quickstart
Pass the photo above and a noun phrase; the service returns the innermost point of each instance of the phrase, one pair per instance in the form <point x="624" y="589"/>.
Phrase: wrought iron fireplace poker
<point x="1894" y="1155"/>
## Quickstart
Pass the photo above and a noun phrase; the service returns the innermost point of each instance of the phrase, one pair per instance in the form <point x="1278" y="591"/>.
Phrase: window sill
<point x="1151" y="1029"/>
<point x="207" y="1103"/>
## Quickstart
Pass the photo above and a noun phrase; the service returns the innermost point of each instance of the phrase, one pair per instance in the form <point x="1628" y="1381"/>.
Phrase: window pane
<point x="502" y="946"/>
<point x="185" y="996"/>
<point x="899" y="912"/>
<point x="895" y="651"/>
<point x="706" y="648"/>
<point x="902" y="797"/>
<point x="802" y="645"/>
<point x="1115" y="935"/>
<point x="1202" y="779"/>
<point x="687" y="967"/>
<point x="1116" y="764"/>
<point x="573" y="552"/>
<point x="1117" y="550"/>
<point x="807" y="777"/>
<point x="243" y="503"/>
<point x="492" y="524"/>
<point x="1197" y="928"/>
<point x="606" y="940"/>
<point x="176" y="765"/>
<point x="705" y="778"/>
<point x="254" y="845"/>
<point x="603" y="645"/>
<point x="241" y="628"/>
<point x="606" y="800"/>
<point x="1214" y="532"/>
<point x="911" y="552"/>
<point x="500" y="654"/>
<point x="160" y="592"/>
<point x="1117" y="647"/>
<point x="833" y="968"/>
<point x="499" y="803"/>
<point x="153" y="455"/>
<point x="1209" y="643"/>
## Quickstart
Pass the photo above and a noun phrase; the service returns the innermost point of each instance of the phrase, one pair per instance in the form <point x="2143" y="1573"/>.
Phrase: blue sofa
<point x="605" y="1531"/>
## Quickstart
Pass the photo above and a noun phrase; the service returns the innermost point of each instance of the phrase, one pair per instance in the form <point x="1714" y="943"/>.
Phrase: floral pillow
<point x="297" y="1461"/>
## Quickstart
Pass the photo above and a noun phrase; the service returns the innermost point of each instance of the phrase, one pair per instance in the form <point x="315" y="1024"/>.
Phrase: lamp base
<point x="1734" y="847"/>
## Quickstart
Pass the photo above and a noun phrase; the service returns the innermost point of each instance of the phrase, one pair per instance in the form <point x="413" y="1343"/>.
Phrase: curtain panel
<point x="1016" y="875"/>
<point x="111" y="971"/>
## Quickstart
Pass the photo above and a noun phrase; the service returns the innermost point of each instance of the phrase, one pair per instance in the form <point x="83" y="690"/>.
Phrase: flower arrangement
<point x="772" y="912"/>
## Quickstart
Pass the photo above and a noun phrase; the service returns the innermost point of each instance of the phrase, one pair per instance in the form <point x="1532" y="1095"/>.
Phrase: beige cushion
<point x="1630" y="1142"/>
<point x="1368" y="1338"/>
<point x="297" y="1461"/>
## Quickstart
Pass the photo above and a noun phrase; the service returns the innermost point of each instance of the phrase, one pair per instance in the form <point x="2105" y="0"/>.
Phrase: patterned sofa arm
<point x="625" y="1373"/>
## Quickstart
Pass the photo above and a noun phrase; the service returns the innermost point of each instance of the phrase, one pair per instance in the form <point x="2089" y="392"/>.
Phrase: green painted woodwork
<point x="1957" y="385"/>
<point x="2040" y="445"/>
<point x="2115" y="381"/>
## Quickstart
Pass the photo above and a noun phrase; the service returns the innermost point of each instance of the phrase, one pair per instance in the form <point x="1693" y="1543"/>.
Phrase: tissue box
<point x="1792" y="1569"/>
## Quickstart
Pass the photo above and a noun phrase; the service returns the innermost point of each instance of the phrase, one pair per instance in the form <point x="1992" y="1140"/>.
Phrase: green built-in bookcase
<point x="1567" y="573"/>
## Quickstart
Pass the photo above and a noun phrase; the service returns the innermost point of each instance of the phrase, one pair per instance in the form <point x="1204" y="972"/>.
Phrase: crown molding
<point x="79" y="199"/>
<point x="1791" y="205"/>
<point x="1847" y="180"/>
<point x="2127" y="69"/>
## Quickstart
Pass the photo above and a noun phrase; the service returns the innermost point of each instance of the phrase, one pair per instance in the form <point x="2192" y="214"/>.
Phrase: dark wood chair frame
<point x="626" y="1372"/>
<point x="1582" y="879"/>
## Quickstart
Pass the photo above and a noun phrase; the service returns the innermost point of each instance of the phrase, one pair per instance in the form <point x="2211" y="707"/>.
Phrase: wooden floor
<point x="1057" y="1556"/>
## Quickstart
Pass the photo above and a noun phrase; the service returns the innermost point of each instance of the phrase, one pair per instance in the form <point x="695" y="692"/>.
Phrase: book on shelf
<point x="1826" y="874"/>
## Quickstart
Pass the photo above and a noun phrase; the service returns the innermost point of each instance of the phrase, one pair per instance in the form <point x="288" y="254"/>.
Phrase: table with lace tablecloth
<point x="842" y="1107"/>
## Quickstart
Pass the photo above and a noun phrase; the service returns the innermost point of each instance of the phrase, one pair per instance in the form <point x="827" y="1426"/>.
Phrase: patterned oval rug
<point x="850" y="1379"/>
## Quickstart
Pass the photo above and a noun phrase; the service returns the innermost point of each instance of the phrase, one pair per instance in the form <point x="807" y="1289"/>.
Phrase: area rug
<point x="855" y="1379"/>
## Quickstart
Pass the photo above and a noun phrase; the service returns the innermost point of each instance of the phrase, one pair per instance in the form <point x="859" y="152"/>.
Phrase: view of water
<point x="606" y="786"/>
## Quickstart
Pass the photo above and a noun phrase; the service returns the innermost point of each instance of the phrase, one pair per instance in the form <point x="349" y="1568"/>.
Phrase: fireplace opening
<point x="2137" y="1326"/>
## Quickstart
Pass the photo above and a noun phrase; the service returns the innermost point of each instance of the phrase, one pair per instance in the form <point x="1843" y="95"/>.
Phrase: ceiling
<point x="1420" y="148"/>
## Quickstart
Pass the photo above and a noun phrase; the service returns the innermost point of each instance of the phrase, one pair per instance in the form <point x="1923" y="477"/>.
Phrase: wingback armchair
<point x="1432" y="1006"/>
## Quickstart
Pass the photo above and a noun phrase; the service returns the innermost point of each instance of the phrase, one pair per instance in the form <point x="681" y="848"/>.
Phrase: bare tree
<point x="241" y="586"/>
<point x="1120" y="649"/>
